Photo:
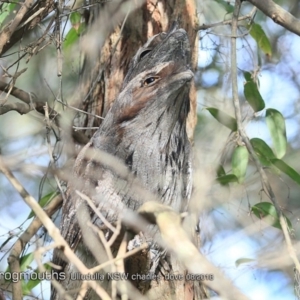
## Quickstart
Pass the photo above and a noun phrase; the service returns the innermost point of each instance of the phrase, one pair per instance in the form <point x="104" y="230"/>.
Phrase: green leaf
<point x="223" y="118"/>
<point x="71" y="37"/>
<point x="263" y="151"/>
<point x="224" y="180"/>
<point x="220" y="171"/>
<point x="25" y="261"/>
<point x="25" y="289"/>
<point x="7" y="271"/>
<point x="267" y="210"/>
<point x="81" y="29"/>
<point x="276" y="124"/>
<point x="239" y="162"/>
<point x="243" y="260"/>
<point x="7" y="8"/>
<point x="32" y="283"/>
<point x="228" y="7"/>
<point x="261" y="39"/>
<point x="75" y="18"/>
<point x="35" y="279"/>
<point x="43" y="202"/>
<point x="252" y="93"/>
<point x="283" y="167"/>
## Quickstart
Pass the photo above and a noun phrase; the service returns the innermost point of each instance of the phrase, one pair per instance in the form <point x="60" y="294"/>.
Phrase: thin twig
<point x="35" y="45"/>
<point x="127" y="254"/>
<point x="19" y="33"/>
<point x="121" y="268"/>
<point x="58" y="286"/>
<point x="176" y="240"/>
<point x="31" y="17"/>
<point x="9" y="30"/>
<point x="50" y="150"/>
<point x="21" y="95"/>
<point x="97" y="212"/>
<point x="84" y="128"/>
<point x="79" y="110"/>
<point x="289" y="244"/>
<point x="37" y="106"/>
<point x="11" y="83"/>
<point x="22" y="241"/>
<point x="116" y="233"/>
<point x="249" y="16"/>
<point x="51" y="228"/>
<point x="110" y="257"/>
<point x="58" y="40"/>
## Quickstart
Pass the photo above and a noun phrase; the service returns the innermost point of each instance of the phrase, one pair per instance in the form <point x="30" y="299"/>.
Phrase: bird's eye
<point x="144" y="53"/>
<point x="150" y="80"/>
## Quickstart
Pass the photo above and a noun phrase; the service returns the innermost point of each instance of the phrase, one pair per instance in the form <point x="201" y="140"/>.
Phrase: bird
<point x="145" y="132"/>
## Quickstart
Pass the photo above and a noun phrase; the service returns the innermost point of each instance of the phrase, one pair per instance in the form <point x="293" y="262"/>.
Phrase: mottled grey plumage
<point x="145" y="129"/>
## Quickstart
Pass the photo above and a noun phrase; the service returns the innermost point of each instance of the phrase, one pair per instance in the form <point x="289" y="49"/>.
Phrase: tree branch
<point x="291" y="251"/>
<point x="21" y="108"/>
<point x="24" y="96"/>
<point x="14" y="256"/>
<point x="278" y="15"/>
<point x="249" y="16"/>
<point x="53" y="231"/>
<point x="31" y="19"/>
<point x="176" y="240"/>
<point x="32" y="104"/>
<point x="18" y="93"/>
<point x="9" y="29"/>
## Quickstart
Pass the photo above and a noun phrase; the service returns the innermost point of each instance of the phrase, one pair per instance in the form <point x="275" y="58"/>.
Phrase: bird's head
<point x="155" y="94"/>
